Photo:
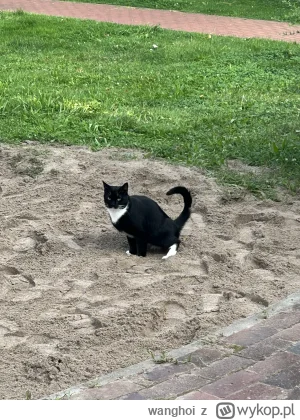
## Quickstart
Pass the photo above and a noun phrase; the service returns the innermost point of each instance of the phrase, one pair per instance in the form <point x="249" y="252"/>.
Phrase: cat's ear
<point x="125" y="187"/>
<point x="106" y="186"/>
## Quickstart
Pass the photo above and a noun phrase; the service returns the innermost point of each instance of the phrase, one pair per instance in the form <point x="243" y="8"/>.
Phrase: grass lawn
<point x="194" y="99"/>
<point x="288" y="10"/>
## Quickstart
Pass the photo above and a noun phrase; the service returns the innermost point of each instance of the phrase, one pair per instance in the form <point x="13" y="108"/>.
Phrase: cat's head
<point x="115" y="197"/>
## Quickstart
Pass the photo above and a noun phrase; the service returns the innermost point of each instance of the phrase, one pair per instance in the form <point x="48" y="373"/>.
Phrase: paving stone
<point x="251" y="335"/>
<point x="140" y="380"/>
<point x="283" y="320"/>
<point x="295" y="349"/>
<point x="258" y="352"/>
<point x="163" y="372"/>
<point x="256" y="392"/>
<point x="132" y="396"/>
<point x="107" y="392"/>
<point x="224" y="367"/>
<point x="274" y="363"/>
<point x="287" y="378"/>
<point x="265" y="348"/>
<point x="294" y="394"/>
<point x="204" y="356"/>
<point x="174" y="387"/>
<point x="231" y="384"/>
<point x="276" y="342"/>
<point x="292" y="334"/>
<point x="197" y="395"/>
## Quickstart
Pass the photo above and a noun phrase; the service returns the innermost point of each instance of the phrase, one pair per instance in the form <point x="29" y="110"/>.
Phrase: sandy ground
<point x="73" y="305"/>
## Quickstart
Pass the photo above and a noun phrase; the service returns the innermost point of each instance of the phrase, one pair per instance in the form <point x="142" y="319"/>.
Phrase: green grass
<point x="282" y="10"/>
<point x="196" y="100"/>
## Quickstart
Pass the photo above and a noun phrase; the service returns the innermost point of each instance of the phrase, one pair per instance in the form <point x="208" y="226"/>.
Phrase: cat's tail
<point x="186" y="212"/>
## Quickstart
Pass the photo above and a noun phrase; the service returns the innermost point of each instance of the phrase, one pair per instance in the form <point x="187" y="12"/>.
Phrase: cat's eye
<point x="119" y="199"/>
<point x="109" y="198"/>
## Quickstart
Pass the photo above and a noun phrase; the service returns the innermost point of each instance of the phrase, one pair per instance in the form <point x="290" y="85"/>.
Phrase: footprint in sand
<point x="24" y="245"/>
<point x="197" y="267"/>
<point x="244" y="259"/>
<point x="14" y="276"/>
<point x="246" y="237"/>
<point x="25" y="296"/>
<point x="270" y="216"/>
<point x="248" y="261"/>
<point x="10" y="340"/>
<point x="69" y="242"/>
<point x="174" y="310"/>
<point x="82" y="322"/>
<point x="43" y="343"/>
<point x="78" y="289"/>
<point x="134" y="281"/>
<point x="7" y="326"/>
<point x="10" y="336"/>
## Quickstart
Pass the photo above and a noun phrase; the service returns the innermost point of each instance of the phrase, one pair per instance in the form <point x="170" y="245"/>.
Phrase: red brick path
<point x="191" y="22"/>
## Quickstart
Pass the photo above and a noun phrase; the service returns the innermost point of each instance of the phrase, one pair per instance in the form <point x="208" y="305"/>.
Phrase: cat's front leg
<point x="141" y="246"/>
<point x="132" y="246"/>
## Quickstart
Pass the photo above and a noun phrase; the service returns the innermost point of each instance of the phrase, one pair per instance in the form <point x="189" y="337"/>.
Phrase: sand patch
<point x="73" y="305"/>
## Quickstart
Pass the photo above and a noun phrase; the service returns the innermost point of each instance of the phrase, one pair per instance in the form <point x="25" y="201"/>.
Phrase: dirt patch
<point x="73" y="305"/>
<point x="240" y="167"/>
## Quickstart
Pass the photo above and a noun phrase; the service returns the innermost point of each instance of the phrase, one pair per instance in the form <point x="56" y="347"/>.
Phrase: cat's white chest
<point x="116" y="214"/>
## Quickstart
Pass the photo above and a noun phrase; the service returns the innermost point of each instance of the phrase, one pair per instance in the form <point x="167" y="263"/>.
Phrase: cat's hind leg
<point x="168" y="238"/>
<point x="172" y="251"/>
<point x="132" y="246"/>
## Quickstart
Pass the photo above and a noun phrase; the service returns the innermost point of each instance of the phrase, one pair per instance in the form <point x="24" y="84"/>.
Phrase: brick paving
<point x="258" y="361"/>
<point x="260" y="358"/>
<point x="191" y="22"/>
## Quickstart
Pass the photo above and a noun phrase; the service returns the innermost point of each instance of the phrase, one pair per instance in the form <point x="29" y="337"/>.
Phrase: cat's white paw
<point x="168" y="256"/>
<point x="172" y="251"/>
<point x="128" y="253"/>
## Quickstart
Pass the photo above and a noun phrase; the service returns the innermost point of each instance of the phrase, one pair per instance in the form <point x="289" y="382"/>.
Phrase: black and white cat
<point x="143" y="220"/>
